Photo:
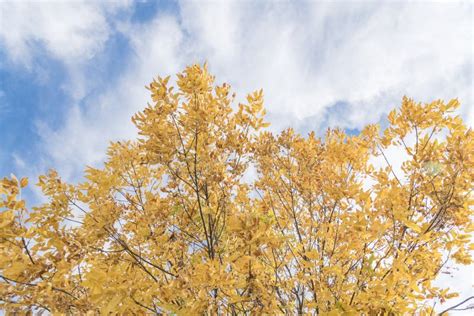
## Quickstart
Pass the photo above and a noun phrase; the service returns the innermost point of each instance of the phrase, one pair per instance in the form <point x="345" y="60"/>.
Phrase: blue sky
<point x="73" y="73"/>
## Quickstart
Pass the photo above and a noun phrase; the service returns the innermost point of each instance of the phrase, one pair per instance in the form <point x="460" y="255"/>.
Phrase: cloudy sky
<point x="72" y="73"/>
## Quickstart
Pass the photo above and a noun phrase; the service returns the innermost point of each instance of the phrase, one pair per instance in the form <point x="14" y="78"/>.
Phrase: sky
<point x="72" y="73"/>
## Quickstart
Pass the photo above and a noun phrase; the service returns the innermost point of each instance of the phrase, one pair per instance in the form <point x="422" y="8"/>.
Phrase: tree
<point x="170" y="225"/>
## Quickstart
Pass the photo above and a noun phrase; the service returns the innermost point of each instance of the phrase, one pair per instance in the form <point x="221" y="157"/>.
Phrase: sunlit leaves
<point x="169" y="226"/>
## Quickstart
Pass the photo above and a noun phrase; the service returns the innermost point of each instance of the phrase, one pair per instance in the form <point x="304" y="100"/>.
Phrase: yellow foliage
<point x="169" y="225"/>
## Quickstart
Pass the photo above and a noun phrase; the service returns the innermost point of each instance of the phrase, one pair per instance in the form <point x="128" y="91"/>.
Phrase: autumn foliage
<point x="208" y="213"/>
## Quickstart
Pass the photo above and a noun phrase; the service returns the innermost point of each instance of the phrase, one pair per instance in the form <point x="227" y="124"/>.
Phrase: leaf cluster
<point x="171" y="224"/>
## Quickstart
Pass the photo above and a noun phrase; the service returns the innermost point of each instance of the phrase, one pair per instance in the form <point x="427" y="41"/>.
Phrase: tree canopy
<point x="207" y="212"/>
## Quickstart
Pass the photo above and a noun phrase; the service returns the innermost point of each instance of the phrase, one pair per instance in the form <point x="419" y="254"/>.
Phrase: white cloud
<point x="87" y="131"/>
<point x="71" y="32"/>
<point x="307" y="58"/>
<point x="67" y="30"/>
